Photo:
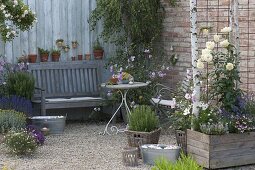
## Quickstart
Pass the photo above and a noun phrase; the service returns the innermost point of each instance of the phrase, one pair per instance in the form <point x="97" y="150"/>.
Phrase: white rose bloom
<point x="7" y="36"/>
<point x="200" y="65"/>
<point x="208" y="57"/>
<point x="224" y="43"/>
<point x="15" y="2"/>
<point x="206" y="51"/>
<point x="210" y="45"/>
<point x="229" y="66"/>
<point x="216" y="38"/>
<point x="226" y="30"/>
<point x="205" y="31"/>
<point x="186" y="111"/>
<point x="25" y="12"/>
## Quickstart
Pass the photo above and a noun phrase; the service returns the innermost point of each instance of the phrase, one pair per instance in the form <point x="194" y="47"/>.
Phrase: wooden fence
<point x="57" y="19"/>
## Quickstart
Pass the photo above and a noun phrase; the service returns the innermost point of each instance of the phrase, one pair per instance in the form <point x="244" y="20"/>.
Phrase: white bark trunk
<point x="231" y="12"/>
<point x="237" y="39"/>
<point x="194" y="54"/>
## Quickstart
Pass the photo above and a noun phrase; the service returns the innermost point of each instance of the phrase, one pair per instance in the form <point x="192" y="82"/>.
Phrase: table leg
<point x="125" y="102"/>
<point x="114" y="128"/>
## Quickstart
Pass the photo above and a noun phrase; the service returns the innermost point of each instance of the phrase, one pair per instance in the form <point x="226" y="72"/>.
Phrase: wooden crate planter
<point x="220" y="151"/>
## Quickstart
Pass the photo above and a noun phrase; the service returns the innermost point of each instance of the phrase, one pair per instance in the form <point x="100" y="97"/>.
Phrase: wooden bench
<point x="67" y="84"/>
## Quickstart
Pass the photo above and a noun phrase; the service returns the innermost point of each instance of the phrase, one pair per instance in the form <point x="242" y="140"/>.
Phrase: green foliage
<point x="20" y="84"/>
<point x="143" y="119"/>
<point x="11" y="120"/>
<point x="43" y="51"/>
<point x="181" y="121"/>
<point x="224" y="82"/>
<point x="18" y="14"/>
<point x="184" y="163"/>
<point x="97" y="45"/>
<point x="20" y="143"/>
<point x="55" y="52"/>
<point x="134" y="27"/>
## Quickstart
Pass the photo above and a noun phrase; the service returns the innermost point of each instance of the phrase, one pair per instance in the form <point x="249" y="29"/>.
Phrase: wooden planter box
<point x="220" y="151"/>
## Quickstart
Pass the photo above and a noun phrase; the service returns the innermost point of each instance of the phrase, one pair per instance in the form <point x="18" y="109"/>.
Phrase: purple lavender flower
<point x="37" y="134"/>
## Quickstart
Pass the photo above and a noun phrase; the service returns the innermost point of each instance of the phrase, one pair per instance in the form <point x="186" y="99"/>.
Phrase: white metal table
<point x="123" y="89"/>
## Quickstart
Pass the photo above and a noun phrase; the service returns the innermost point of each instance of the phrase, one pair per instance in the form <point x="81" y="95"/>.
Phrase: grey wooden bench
<point x="67" y="84"/>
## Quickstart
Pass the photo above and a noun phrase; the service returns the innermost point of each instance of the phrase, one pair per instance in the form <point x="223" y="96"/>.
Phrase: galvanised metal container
<point x="151" y="152"/>
<point x="55" y="124"/>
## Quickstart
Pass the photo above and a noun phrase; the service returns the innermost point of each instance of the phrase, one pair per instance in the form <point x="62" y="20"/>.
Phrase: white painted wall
<point x="65" y="19"/>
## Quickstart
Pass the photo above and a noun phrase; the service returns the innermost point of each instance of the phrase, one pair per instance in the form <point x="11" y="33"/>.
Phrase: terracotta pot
<point x="73" y="58"/>
<point x="114" y="80"/>
<point x="55" y="57"/>
<point x="80" y="57"/>
<point x="44" y="57"/>
<point x="32" y="58"/>
<point x="98" y="54"/>
<point x="87" y="56"/>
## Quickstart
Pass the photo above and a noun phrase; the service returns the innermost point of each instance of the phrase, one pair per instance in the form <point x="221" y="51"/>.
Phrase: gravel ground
<point x="81" y="147"/>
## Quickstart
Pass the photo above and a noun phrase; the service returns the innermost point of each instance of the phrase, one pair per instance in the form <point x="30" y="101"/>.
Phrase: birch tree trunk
<point x="237" y="39"/>
<point x="194" y="54"/>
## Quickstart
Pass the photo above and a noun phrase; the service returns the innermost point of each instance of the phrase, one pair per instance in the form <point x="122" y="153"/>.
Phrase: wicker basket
<point x="1" y="138"/>
<point x="135" y="139"/>
<point x="130" y="156"/>
<point x="181" y="138"/>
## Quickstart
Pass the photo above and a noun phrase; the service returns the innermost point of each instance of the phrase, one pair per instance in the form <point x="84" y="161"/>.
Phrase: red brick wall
<point x="213" y="13"/>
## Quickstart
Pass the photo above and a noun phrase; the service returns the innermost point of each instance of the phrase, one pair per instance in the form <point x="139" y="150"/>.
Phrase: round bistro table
<point x="123" y="89"/>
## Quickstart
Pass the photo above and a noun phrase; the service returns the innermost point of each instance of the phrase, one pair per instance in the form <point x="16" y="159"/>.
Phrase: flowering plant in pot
<point x="98" y="50"/>
<point x="55" y="54"/>
<point x="44" y="54"/>
<point x="226" y="119"/>
<point x="143" y="126"/>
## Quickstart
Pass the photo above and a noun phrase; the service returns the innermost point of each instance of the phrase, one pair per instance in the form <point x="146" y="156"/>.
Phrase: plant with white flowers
<point x="224" y="74"/>
<point x="14" y="15"/>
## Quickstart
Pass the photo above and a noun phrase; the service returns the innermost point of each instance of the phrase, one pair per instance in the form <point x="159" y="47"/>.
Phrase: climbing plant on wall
<point x="135" y="27"/>
<point x="14" y="16"/>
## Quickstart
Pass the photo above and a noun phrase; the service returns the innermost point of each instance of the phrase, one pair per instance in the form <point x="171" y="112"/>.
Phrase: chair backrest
<point x="67" y="79"/>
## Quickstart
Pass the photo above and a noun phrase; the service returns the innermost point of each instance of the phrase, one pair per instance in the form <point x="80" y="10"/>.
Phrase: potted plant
<point x="60" y="42"/>
<point x="66" y="48"/>
<point x="55" y="54"/>
<point x="32" y="58"/>
<point x="98" y="50"/>
<point x="87" y="56"/>
<point x="80" y="57"/>
<point x="223" y="132"/>
<point x="44" y="54"/>
<point x="143" y="126"/>
<point x="75" y="44"/>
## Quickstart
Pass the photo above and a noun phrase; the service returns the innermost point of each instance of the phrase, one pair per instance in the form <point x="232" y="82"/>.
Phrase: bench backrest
<point x="67" y="79"/>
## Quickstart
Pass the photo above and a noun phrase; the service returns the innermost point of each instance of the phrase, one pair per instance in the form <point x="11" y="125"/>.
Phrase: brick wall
<point x="214" y="13"/>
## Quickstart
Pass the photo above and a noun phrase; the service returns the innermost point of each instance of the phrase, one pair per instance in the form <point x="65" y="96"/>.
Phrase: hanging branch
<point x="194" y="53"/>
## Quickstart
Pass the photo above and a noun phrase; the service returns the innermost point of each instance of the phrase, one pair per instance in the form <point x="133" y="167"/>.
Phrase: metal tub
<point x="151" y="152"/>
<point x="55" y="124"/>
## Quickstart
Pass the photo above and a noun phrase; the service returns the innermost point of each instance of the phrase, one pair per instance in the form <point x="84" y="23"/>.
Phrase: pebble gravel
<point x="81" y="147"/>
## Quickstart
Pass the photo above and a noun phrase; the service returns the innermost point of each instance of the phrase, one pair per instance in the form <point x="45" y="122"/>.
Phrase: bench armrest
<point x="43" y="111"/>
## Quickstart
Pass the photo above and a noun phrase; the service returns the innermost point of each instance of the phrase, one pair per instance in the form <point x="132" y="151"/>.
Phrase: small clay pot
<point x="55" y="57"/>
<point x="114" y="80"/>
<point x="32" y="58"/>
<point x="44" y="57"/>
<point x="80" y="57"/>
<point x="87" y="56"/>
<point x="98" y="54"/>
